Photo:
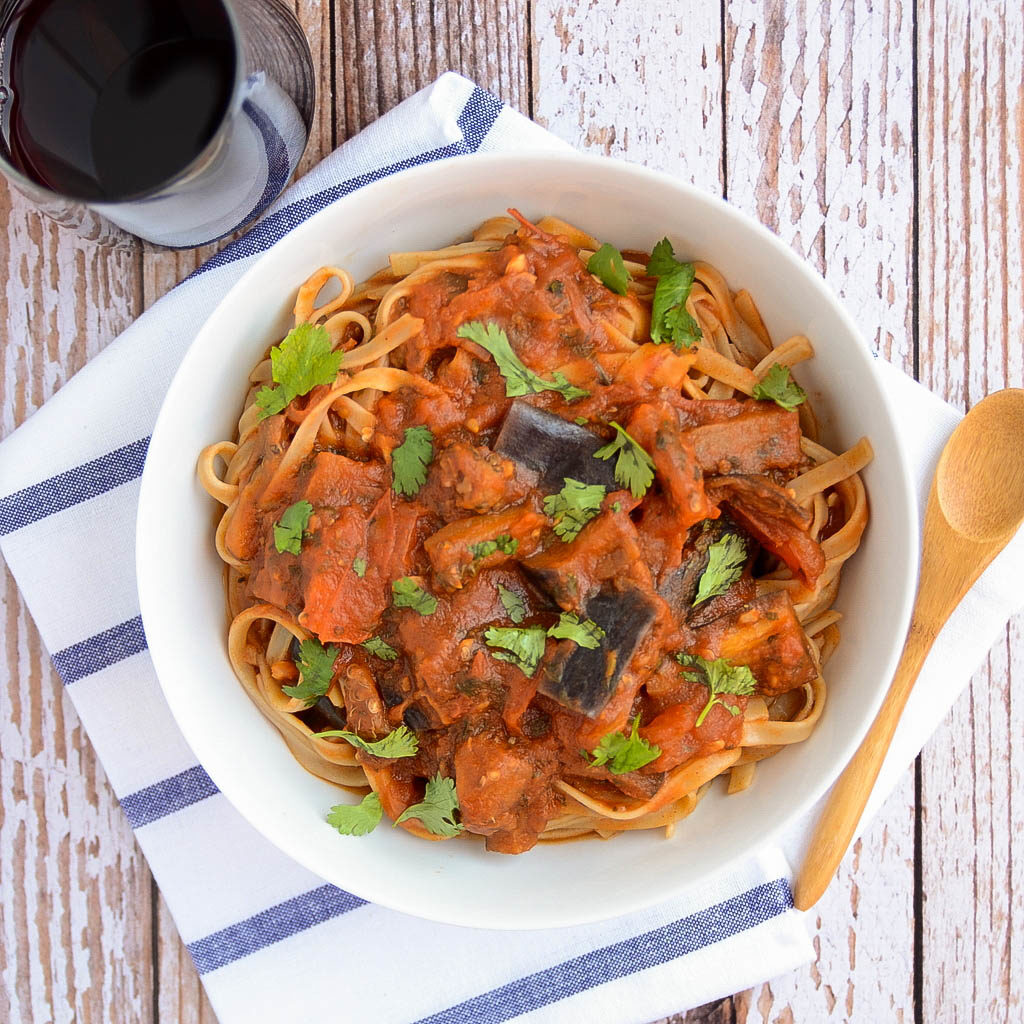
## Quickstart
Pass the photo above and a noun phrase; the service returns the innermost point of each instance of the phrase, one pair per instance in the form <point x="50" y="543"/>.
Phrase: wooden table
<point x="886" y="145"/>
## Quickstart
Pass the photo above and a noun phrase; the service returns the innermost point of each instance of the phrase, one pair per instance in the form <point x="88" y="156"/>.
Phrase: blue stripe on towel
<point x="72" y="487"/>
<point x="620" y="959"/>
<point x="99" y="651"/>
<point x="167" y="796"/>
<point x="270" y="926"/>
<point x="475" y="121"/>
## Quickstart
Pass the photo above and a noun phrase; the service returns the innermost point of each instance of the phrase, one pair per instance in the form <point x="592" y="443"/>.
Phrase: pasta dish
<point x="531" y="538"/>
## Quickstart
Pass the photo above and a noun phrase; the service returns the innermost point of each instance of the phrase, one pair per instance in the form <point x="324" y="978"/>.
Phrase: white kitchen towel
<point x="272" y="942"/>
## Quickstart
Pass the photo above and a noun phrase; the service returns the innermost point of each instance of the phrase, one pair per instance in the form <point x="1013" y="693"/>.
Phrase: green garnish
<point x="586" y="633"/>
<point x="670" y="322"/>
<point x="777" y="386"/>
<point x="555" y="287"/>
<point x="634" y="468"/>
<point x="288" y="530"/>
<point x="607" y="264"/>
<point x="726" y="558"/>
<point x="719" y="676"/>
<point x="400" y="742"/>
<point x="359" y="567"/>
<point x="410" y="459"/>
<point x="503" y="542"/>
<point x="356" y="819"/>
<point x="407" y="593"/>
<point x="302" y="361"/>
<point x="624" y="753"/>
<point x="573" y="507"/>
<point x="316" y="665"/>
<point x="519" y="379"/>
<point x="513" y="604"/>
<point x="436" y="811"/>
<point x="381" y="649"/>
<point x="523" y="646"/>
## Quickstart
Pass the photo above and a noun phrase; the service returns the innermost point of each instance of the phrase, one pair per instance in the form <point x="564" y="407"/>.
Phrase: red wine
<point x="109" y="99"/>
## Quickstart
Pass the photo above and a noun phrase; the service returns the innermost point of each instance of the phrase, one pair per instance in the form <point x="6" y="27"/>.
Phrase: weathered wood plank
<point x="971" y="122"/>
<point x="75" y="888"/>
<point x="818" y="146"/>
<point x="599" y="84"/>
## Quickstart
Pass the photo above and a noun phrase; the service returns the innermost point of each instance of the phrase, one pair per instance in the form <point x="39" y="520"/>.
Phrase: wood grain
<point x="971" y="118"/>
<point x="804" y="115"/>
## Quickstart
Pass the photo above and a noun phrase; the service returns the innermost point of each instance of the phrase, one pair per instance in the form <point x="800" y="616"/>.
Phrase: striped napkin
<point x="272" y="942"/>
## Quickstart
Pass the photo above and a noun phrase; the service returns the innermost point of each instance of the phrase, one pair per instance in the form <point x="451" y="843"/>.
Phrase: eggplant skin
<point x="584" y="680"/>
<point x="553" y="448"/>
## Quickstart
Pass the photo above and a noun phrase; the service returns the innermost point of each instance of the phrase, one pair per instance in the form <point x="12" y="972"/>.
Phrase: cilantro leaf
<point x="523" y="646"/>
<point x="719" y="676"/>
<point x="289" y="528"/>
<point x="573" y="507"/>
<point x="410" y="459"/>
<point x="586" y="633"/>
<point x="513" y="603"/>
<point x="726" y="558"/>
<point x="316" y="664"/>
<point x="624" y="753"/>
<point x="436" y="811"/>
<point x="634" y="468"/>
<point x="356" y="819"/>
<point x="607" y="264"/>
<point x="503" y="542"/>
<point x="302" y="361"/>
<point x="408" y="593"/>
<point x="381" y="649"/>
<point x="400" y="742"/>
<point x="670" y="322"/>
<point x="778" y="387"/>
<point x="519" y="379"/>
<point x="359" y="567"/>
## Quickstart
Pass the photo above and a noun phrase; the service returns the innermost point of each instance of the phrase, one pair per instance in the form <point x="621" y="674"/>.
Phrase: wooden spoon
<point x="975" y="506"/>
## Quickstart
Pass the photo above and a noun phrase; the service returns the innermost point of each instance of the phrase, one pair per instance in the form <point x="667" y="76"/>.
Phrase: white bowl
<point x="180" y="575"/>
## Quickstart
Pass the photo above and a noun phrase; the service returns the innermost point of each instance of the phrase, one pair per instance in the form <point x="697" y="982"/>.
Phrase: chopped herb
<point x="400" y="742"/>
<point x="316" y="664"/>
<point x="356" y="819"/>
<point x="436" y="811"/>
<point x="523" y="646"/>
<point x="777" y="386"/>
<point x="288" y="530"/>
<point x="359" y="567"/>
<point x="624" y="753"/>
<point x="670" y="322"/>
<point x="381" y="649"/>
<point x="634" y="468"/>
<point x="581" y="420"/>
<point x="519" y="379"/>
<point x="503" y="542"/>
<point x="726" y="558"/>
<point x="607" y="264"/>
<point x="719" y="676"/>
<point x="302" y="361"/>
<point x="586" y="633"/>
<point x="408" y="593"/>
<point x="556" y="287"/>
<point x="410" y="459"/>
<point x="513" y="604"/>
<point x="616" y="506"/>
<point x="573" y="507"/>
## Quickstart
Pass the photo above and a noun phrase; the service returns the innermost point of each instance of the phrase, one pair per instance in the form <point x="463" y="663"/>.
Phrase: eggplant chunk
<point x="553" y="448"/>
<point x="584" y="680"/>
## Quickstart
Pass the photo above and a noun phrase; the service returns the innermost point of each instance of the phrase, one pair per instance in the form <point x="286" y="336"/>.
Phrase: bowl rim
<point x="231" y="785"/>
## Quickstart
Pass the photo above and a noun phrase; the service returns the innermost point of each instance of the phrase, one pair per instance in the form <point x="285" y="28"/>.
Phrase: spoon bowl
<point x="980" y="477"/>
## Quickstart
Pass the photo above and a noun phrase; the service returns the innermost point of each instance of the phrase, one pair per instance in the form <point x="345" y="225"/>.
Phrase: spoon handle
<point x="850" y="794"/>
